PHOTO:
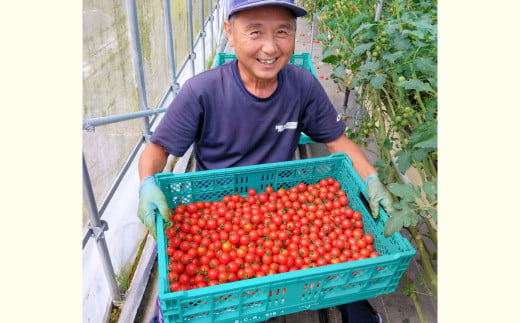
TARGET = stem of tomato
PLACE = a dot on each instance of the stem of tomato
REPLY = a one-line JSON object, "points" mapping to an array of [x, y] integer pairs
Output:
{"points": [[432, 232], [418, 306], [425, 259]]}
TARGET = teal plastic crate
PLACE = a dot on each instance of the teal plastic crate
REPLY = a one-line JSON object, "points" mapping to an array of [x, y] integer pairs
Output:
{"points": [[303, 59], [259, 299]]}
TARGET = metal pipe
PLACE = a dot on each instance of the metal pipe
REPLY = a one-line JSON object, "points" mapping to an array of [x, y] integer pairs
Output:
{"points": [[203, 34], [218, 14], [190, 34], [312, 33], [98, 228], [138, 61], [379, 10], [170, 40], [90, 124], [211, 18]]}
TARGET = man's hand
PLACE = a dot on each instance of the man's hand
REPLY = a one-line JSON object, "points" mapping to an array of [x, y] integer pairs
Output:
{"points": [[378, 194], [151, 199]]}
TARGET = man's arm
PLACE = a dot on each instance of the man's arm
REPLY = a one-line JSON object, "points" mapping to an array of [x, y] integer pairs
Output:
{"points": [[152, 160], [151, 198], [359, 160], [377, 193]]}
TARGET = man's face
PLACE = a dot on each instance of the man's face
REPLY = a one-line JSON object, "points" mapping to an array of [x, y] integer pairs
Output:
{"points": [[263, 39]]}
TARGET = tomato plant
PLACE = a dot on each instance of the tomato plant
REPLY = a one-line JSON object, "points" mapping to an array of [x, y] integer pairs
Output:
{"points": [[385, 53]]}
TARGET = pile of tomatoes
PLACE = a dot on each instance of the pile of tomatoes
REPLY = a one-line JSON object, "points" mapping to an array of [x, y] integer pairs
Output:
{"points": [[241, 237]]}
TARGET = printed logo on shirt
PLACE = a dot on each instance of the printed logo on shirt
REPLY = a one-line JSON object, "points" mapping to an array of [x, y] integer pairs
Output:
{"points": [[288, 125], [338, 118]]}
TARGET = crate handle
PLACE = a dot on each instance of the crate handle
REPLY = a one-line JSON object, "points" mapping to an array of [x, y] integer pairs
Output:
{"points": [[365, 203], [161, 246]]}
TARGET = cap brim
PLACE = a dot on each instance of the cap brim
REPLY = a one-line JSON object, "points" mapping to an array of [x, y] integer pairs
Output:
{"points": [[297, 11]]}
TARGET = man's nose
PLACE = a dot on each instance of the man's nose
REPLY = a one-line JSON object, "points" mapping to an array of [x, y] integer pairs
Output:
{"points": [[269, 46]]}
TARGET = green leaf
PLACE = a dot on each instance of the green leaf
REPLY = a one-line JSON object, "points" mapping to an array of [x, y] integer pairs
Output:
{"points": [[406, 192], [419, 154], [367, 35], [425, 65], [392, 57], [433, 82], [323, 36], [424, 136], [363, 26], [404, 160], [417, 33], [402, 44], [430, 189], [370, 67], [422, 132], [423, 23], [382, 172], [387, 144], [378, 81], [417, 85], [430, 143], [355, 65], [339, 71], [332, 59], [360, 49], [400, 219]]}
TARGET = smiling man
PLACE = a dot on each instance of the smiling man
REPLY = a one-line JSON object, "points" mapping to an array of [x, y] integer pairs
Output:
{"points": [[252, 110], [263, 39]]}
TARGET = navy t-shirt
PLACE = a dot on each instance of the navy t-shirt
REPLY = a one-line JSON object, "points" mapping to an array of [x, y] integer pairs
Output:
{"points": [[231, 127]]}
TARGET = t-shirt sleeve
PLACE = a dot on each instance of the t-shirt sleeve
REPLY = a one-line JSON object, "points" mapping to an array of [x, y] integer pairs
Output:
{"points": [[320, 121], [181, 123]]}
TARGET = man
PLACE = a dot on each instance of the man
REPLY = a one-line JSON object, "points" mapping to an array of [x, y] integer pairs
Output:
{"points": [[251, 110]]}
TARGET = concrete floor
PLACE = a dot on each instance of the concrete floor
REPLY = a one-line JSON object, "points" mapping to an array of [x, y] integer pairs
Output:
{"points": [[395, 307]]}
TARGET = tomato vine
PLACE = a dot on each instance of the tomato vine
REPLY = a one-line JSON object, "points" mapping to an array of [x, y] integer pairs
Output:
{"points": [[386, 54]]}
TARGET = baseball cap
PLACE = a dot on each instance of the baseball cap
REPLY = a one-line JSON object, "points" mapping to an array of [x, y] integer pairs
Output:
{"points": [[239, 5]]}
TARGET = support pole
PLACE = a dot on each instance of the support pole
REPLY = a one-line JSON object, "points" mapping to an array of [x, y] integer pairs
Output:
{"points": [[97, 229], [312, 33], [138, 62], [170, 42], [379, 10], [190, 34], [203, 35], [211, 19]]}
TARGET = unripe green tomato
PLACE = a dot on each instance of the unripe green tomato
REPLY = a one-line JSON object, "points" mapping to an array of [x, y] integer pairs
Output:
{"points": [[375, 53], [404, 123], [398, 119], [383, 33], [378, 48], [401, 79], [408, 109]]}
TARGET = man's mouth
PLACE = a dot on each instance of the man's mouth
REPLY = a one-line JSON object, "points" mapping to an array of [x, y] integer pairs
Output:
{"points": [[267, 62]]}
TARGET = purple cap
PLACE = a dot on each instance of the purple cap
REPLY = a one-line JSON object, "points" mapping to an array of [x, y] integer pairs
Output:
{"points": [[239, 5]]}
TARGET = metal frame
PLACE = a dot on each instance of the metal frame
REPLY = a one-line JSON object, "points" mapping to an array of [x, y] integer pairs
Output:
{"points": [[97, 227]]}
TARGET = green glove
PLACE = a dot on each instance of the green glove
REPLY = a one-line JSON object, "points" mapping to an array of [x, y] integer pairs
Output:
{"points": [[378, 194], [151, 199]]}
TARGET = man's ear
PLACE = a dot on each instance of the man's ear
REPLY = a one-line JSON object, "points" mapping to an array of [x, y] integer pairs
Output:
{"points": [[229, 34]]}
